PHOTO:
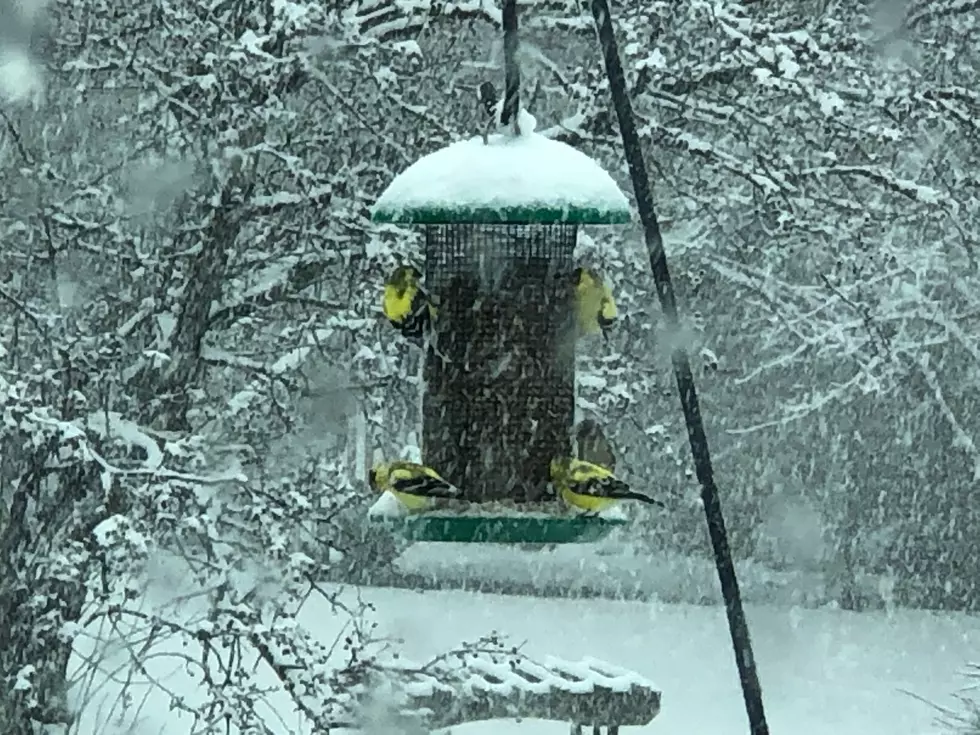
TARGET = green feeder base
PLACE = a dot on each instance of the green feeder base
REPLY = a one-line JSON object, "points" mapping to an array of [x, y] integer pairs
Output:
{"points": [[501, 529]]}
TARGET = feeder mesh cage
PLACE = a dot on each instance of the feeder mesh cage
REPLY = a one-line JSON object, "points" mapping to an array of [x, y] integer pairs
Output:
{"points": [[499, 400]]}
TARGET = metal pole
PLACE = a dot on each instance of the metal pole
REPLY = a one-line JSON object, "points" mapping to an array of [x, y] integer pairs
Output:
{"points": [[741, 642], [512, 71]]}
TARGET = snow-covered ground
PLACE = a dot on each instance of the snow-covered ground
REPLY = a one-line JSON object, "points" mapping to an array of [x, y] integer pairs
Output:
{"points": [[824, 672]]}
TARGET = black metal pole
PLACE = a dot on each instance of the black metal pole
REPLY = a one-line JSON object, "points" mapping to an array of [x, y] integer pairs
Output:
{"points": [[512, 71], [741, 642]]}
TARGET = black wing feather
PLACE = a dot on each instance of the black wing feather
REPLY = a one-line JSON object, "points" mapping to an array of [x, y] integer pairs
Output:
{"points": [[611, 487], [418, 321], [428, 487], [604, 487]]}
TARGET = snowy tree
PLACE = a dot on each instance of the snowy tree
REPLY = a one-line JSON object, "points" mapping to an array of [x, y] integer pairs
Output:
{"points": [[817, 164], [186, 248], [194, 369]]}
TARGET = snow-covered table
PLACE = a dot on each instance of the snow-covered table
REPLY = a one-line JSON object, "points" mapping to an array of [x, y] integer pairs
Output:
{"points": [[489, 687]]}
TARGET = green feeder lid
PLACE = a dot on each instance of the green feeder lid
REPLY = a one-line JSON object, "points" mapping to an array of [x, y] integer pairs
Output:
{"points": [[500, 529], [511, 179]]}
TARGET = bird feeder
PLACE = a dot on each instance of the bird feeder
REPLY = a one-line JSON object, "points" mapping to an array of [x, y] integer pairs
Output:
{"points": [[500, 221]]}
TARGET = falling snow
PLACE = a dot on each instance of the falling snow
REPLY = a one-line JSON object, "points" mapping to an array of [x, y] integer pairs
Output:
{"points": [[201, 365]]}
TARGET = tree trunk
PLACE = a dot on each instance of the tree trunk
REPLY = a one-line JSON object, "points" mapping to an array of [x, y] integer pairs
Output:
{"points": [[40, 591]]}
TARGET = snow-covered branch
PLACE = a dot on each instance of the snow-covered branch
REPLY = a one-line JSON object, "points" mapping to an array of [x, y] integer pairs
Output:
{"points": [[275, 291]]}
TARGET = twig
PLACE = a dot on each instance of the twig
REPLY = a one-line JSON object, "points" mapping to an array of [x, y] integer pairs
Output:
{"points": [[18, 141], [19, 306]]}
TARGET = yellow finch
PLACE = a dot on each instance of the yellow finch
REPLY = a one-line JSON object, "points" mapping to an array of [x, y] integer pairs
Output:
{"points": [[414, 485], [590, 444], [589, 487], [406, 303], [595, 307]]}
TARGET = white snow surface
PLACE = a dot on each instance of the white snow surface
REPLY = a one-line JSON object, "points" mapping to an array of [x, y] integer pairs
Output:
{"points": [[515, 674], [20, 79], [387, 506], [507, 171], [112, 423], [823, 672]]}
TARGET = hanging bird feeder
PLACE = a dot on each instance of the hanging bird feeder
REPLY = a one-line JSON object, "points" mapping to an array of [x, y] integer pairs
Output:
{"points": [[500, 218]]}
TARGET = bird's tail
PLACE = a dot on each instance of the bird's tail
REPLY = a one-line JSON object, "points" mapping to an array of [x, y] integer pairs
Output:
{"points": [[428, 487], [632, 495], [616, 488], [605, 325]]}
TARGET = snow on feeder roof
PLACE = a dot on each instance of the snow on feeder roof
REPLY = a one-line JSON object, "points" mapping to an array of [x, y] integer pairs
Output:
{"points": [[525, 179]]}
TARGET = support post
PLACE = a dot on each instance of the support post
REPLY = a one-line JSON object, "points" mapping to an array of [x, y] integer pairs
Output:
{"points": [[741, 642]]}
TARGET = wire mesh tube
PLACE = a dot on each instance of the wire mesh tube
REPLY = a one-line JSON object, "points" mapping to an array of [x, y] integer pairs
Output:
{"points": [[500, 388]]}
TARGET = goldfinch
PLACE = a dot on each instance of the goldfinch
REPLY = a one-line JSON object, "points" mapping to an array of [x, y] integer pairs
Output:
{"points": [[589, 487], [595, 307], [591, 445], [414, 485], [406, 303]]}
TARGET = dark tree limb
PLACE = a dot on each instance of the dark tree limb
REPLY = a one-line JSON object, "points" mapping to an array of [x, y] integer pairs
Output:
{"points": [[512, 70], [300, 277]]}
